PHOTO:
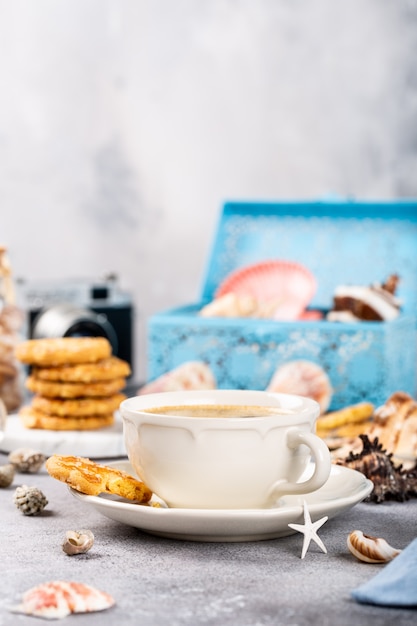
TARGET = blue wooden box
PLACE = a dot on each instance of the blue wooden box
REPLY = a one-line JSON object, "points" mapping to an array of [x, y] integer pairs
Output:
{"points": [[351, 242]]}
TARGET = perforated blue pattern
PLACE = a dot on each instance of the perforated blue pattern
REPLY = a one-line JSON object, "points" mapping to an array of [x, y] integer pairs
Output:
{"points": [[365, 361], [341, 243]]}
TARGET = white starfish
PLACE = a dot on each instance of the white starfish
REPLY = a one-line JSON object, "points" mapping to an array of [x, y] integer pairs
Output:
{"points": [[309, 530]]}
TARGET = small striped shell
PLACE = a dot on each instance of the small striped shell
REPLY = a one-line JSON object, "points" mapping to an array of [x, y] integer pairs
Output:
{"points": [[370, 549], [58, 599]]}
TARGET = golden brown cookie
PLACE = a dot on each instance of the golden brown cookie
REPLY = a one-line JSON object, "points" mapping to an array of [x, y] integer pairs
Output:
{"points": [[106, 369], [31, 418], [349, 415], [74, 390], [91, 478], [78, 407], [63, 350]]}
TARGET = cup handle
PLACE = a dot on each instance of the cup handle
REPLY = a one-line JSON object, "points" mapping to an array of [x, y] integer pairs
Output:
{"points": [[321, 455]]}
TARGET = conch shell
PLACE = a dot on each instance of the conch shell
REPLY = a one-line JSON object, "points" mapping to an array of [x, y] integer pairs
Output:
{"points": [[391, 481], [370, 549]]}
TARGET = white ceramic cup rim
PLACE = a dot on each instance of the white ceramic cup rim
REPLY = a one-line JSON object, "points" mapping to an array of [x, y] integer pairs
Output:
{"points": [[300, 408]]}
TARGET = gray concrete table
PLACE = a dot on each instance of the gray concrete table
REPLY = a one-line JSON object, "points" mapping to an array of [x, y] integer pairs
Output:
{"points": [[158, 581]]}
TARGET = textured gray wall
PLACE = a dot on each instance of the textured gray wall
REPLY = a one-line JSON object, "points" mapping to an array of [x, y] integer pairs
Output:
{"points": [[125, 124]]}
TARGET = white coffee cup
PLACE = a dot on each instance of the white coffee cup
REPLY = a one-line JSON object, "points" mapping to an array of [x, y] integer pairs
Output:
{"points": [[225, 462]]}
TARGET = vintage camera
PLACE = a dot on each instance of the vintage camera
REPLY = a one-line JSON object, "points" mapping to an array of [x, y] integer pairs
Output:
{"points": [[81, 309]]}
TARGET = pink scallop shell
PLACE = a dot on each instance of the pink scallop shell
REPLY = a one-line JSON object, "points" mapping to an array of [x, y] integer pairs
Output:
{"points": [[189, 376], [59, 598], [290, 284], [310, 316], [303, 378]]}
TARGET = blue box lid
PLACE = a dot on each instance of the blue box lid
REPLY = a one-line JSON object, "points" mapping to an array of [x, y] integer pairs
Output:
{"points": [[342, 242]]}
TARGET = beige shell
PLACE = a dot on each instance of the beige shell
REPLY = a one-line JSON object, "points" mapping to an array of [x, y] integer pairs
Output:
{"points": [[7, 473], [77, 541], [231, 305], [27, 460], [370, 549]]}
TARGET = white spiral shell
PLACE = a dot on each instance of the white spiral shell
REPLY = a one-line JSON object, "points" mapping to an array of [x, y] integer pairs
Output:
{"points": [[370, 549]]}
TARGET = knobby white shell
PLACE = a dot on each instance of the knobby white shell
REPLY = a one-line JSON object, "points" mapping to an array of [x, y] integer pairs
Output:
{"points": [[370, 549], [77, 541]]}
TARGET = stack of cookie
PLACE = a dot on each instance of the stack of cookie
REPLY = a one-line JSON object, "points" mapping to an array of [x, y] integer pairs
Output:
{"points": [[76, 382]]}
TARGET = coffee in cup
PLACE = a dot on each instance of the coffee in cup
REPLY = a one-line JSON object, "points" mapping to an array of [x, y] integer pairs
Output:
{"points": [[217, 410]]}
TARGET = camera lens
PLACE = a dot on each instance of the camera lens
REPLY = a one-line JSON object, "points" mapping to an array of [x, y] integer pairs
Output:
{"points": [[66, 320]]}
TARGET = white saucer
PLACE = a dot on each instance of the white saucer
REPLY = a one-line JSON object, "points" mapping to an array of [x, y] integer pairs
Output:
{"points": [[344, 489], [102, 443]]}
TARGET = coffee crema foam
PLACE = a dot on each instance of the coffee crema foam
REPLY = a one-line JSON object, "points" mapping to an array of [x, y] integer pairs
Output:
{"points": [[218, 410]]}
